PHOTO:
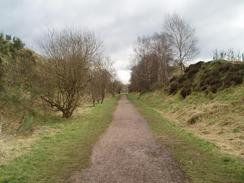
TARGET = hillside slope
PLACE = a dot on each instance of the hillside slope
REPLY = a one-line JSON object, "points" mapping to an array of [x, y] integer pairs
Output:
{"points": [[218, 117], [208, 77], [201, 160]]}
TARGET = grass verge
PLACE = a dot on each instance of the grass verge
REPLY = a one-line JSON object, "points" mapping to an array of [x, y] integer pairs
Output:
{"points": [[199, 159], [54, 158]]}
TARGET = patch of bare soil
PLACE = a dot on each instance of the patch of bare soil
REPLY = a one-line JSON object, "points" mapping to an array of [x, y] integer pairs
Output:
{"points": [[128, 153]]}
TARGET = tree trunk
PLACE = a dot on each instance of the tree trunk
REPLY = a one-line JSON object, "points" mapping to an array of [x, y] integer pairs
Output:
{"points": [[93, 103], [182, 68], [66, 114], [103, 96]]}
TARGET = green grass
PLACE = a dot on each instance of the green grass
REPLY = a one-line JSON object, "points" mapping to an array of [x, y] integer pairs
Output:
{"points": [[54, 158], [208, 77], [199, 159], [229, 95]]}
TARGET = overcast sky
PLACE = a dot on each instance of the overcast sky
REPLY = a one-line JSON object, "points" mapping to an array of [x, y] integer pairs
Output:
{"points": [[219, 23]]}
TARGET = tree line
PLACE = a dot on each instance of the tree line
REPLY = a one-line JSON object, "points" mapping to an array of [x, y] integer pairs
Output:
{"points": [[71, 66], [156, 56], [229, 55]]}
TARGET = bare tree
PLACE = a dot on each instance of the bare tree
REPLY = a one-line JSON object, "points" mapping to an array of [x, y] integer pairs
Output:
{"points": [[162, 51], [1, 75], [65, 72], [229, 55], [152, 58], [182, 39], [102, 80]]}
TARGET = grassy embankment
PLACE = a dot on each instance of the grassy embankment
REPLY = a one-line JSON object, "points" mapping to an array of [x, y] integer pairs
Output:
{"points": [[202, 160], [54, 157]]}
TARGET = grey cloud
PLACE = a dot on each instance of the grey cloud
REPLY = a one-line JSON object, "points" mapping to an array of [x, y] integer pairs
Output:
{"points": [[218, 23]]}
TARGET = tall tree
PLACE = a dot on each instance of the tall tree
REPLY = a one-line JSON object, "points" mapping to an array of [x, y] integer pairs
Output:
{"points": [[182, 39], [69, 56], [152, 59]]}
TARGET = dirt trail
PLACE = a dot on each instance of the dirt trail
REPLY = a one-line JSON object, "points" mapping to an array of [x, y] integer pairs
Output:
{"points": [[128, 153]]}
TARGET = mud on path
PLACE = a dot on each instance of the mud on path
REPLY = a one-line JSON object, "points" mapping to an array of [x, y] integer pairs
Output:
{"points": [[128, 153]]}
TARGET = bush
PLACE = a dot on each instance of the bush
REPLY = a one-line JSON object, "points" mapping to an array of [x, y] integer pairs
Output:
{"points": [[233, 79], [203, 88], [193, 69], [185, 91], [224, 67], [155, 86], [209, 77], [174, 78], [183, 78], [213, 88], [173, 88], [235, 68]]}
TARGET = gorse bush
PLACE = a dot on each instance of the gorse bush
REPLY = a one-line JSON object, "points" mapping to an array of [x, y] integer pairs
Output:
{"points": [[209, 77], [70, 67]]}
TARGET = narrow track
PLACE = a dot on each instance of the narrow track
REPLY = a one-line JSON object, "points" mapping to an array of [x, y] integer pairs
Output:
{"points": [[128, 153]]}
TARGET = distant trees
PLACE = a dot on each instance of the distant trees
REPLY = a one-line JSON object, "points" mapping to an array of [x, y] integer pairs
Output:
{"points": [[115, 86], [100, 78], [103, 80], [154, 56], [229, 55], [182, 39]]}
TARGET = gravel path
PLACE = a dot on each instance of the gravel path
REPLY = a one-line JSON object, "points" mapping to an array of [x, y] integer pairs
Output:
{"points": [[128, 153]]}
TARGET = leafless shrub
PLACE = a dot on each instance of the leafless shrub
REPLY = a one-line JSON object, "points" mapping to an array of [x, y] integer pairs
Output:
{"points": [[103, 80], [69, 56]]}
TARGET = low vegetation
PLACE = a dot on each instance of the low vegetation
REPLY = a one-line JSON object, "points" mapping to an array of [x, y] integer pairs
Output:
{"points": [[217, 118], [44, 132], [201, 160], [208, 77], [53, 157], [55, 82]]}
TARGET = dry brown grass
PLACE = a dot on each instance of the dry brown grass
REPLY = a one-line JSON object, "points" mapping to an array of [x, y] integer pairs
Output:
{"points": [[218, 118], [215, 122], [12, 147]]}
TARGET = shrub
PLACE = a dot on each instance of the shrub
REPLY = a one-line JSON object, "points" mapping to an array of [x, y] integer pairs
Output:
{"points": [[155, 86], [174, 78], [203, 88], [182, 78], [185, 91], [233, 79], [235, 68], [193, 69], [173, 88], [224, 67], [209, 77], [213, 88]]}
